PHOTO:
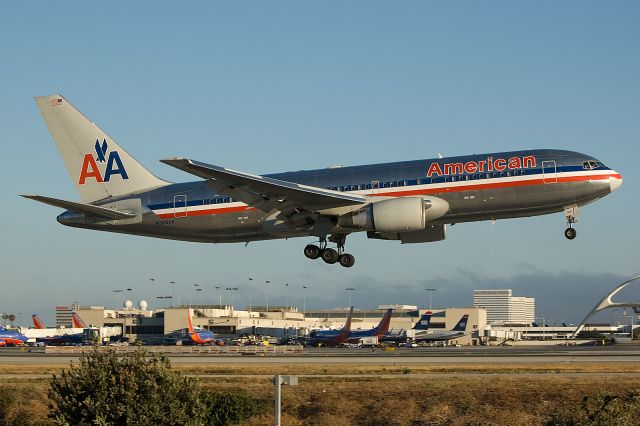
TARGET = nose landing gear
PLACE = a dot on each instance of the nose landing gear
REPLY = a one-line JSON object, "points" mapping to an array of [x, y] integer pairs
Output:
{"points": [[571, 213], [330, 255]]}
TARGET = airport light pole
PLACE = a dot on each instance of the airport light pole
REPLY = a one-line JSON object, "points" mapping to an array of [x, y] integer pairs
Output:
{"points": [[199, 290], [286, 295], [304, 300], [153, 293], [250, 294], [350, 291], [266, 283], [173, 287], [115, 307], [219, 296], [430, 291], [232, 290]]}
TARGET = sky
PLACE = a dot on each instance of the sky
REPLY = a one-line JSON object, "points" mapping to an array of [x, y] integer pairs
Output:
{"points": [[269, 87]]}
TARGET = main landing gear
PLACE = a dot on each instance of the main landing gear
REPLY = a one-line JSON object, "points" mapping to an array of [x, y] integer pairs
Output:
{"points": [[571, 213], [330, 255]]}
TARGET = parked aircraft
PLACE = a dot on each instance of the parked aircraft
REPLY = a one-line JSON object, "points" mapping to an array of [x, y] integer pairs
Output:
{"points": [[378, 331], [330, 338], [37, 322], [11, 337], [409, 201], [422, 325], [458, 331], [200, 336], [77, 321]]}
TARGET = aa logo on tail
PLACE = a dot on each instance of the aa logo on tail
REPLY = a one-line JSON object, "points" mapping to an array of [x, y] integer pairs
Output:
{"points": [[90, 166]]}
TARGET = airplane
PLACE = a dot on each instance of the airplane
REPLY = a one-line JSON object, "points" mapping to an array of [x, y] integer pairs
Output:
{"points": [[458, 331], [422, 325], [37, 322], [330, 338], [200, 336], [77, 321], [378, 331], [11, 337], [408, 201]]}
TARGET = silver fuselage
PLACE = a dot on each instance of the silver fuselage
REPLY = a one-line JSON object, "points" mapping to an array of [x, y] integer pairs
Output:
{"points": [[477, 187]]}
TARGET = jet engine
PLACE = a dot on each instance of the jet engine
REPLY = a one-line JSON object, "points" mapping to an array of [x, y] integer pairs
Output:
{"points": [[407, 214]]}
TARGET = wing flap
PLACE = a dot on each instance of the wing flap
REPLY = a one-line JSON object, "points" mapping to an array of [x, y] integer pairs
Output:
{"points": [[82, 207], [265, 193]]}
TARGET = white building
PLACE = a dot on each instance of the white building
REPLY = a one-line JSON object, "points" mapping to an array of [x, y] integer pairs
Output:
{"points": [[504, 308]]}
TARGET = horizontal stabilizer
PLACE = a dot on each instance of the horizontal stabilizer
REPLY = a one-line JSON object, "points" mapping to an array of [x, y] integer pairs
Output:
{"points": [[89, 209]]}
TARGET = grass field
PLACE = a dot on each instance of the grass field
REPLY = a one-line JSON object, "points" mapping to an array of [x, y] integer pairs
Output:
{"points": [[377, 395]]}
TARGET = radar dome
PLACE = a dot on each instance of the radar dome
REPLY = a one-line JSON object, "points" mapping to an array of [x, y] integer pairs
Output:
{"points": [[128, 304], [143, 304]]}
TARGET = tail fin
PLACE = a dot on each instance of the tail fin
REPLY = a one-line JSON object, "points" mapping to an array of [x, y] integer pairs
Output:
{"points": [[462, 324], [423, 323], [383, 325], [347, 324], [37, 322], [195, 337], [97, 165], [77, 321]]}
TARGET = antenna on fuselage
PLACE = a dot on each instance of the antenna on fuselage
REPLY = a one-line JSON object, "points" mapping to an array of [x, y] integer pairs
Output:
{"points": [[440, 155]]}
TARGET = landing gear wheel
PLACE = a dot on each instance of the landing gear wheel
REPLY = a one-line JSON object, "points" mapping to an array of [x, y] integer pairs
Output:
{"points": [[329, 255], [570, 233], [312, 251], [346, 260]]}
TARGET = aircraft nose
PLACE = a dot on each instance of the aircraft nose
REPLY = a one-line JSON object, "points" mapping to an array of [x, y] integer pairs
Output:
{"points": [[615, 182]]}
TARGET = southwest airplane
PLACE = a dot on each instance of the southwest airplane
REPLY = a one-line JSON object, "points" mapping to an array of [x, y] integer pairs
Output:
{"points": [[61, 339], [200, 336], [11, 338], [37, 322], [330, 338], [409, 201], [378, 331], [77, 321]]}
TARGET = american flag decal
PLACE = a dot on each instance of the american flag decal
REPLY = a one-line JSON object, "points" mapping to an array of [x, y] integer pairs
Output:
{"points": [[56, 102]]}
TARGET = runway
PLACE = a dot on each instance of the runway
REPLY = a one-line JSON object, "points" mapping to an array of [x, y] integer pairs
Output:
{"points": [[416, 356]]}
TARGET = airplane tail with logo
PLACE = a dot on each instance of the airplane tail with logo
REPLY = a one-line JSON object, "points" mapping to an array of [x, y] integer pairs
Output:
{"points": [[97, 165], [37, 322], [77, 321], [462, 324], [423, 323], [192, 332], [383, 326]]}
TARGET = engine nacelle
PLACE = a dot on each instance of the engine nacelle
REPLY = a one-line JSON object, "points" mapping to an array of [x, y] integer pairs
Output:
{"points": [[407, 214]]}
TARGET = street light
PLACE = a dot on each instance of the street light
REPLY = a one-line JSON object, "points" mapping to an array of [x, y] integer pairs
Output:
{"points": [[286, 295], [114, 298], [219, 296], [173, 287], [430, 291], [349, 290], [266, 283], [304, 300], [250, 294], [232, 289], [153, 293]]}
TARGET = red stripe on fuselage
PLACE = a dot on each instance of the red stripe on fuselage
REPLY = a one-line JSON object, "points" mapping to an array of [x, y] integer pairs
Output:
{"points": [[424, 191]]}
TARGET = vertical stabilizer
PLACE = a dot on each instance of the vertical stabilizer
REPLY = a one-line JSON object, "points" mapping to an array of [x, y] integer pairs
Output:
{"points": [[37, 322], [382, 328], [97, 165], [77, 321], [462, 324], [423, 323]]}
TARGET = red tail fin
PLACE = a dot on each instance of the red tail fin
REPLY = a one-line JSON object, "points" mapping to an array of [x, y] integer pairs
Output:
{"points": [[194, 336], [77, 321], [37, 323], [383, 326]]}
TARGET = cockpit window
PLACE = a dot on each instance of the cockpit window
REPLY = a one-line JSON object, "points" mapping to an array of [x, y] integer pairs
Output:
{"points": [[591, 164]]}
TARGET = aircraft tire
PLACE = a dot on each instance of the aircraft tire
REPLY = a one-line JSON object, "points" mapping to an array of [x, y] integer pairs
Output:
{"points": [[346, 260], [329, 255], [312, 251], [570, 233]]}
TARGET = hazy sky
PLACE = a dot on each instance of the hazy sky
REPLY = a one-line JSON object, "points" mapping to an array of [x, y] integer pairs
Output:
{"points": [[267, 87]]}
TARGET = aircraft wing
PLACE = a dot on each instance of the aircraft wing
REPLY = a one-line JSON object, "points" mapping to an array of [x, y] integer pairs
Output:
{"points": [[264, 193], [82, 207]]}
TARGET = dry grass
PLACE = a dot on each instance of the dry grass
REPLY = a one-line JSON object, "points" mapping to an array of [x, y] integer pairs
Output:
{"points": [[452, 395]]}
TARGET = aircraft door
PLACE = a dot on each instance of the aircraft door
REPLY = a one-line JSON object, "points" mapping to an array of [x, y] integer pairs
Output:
{"points": [[180, 205], [549, 172], [375, 187]]}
